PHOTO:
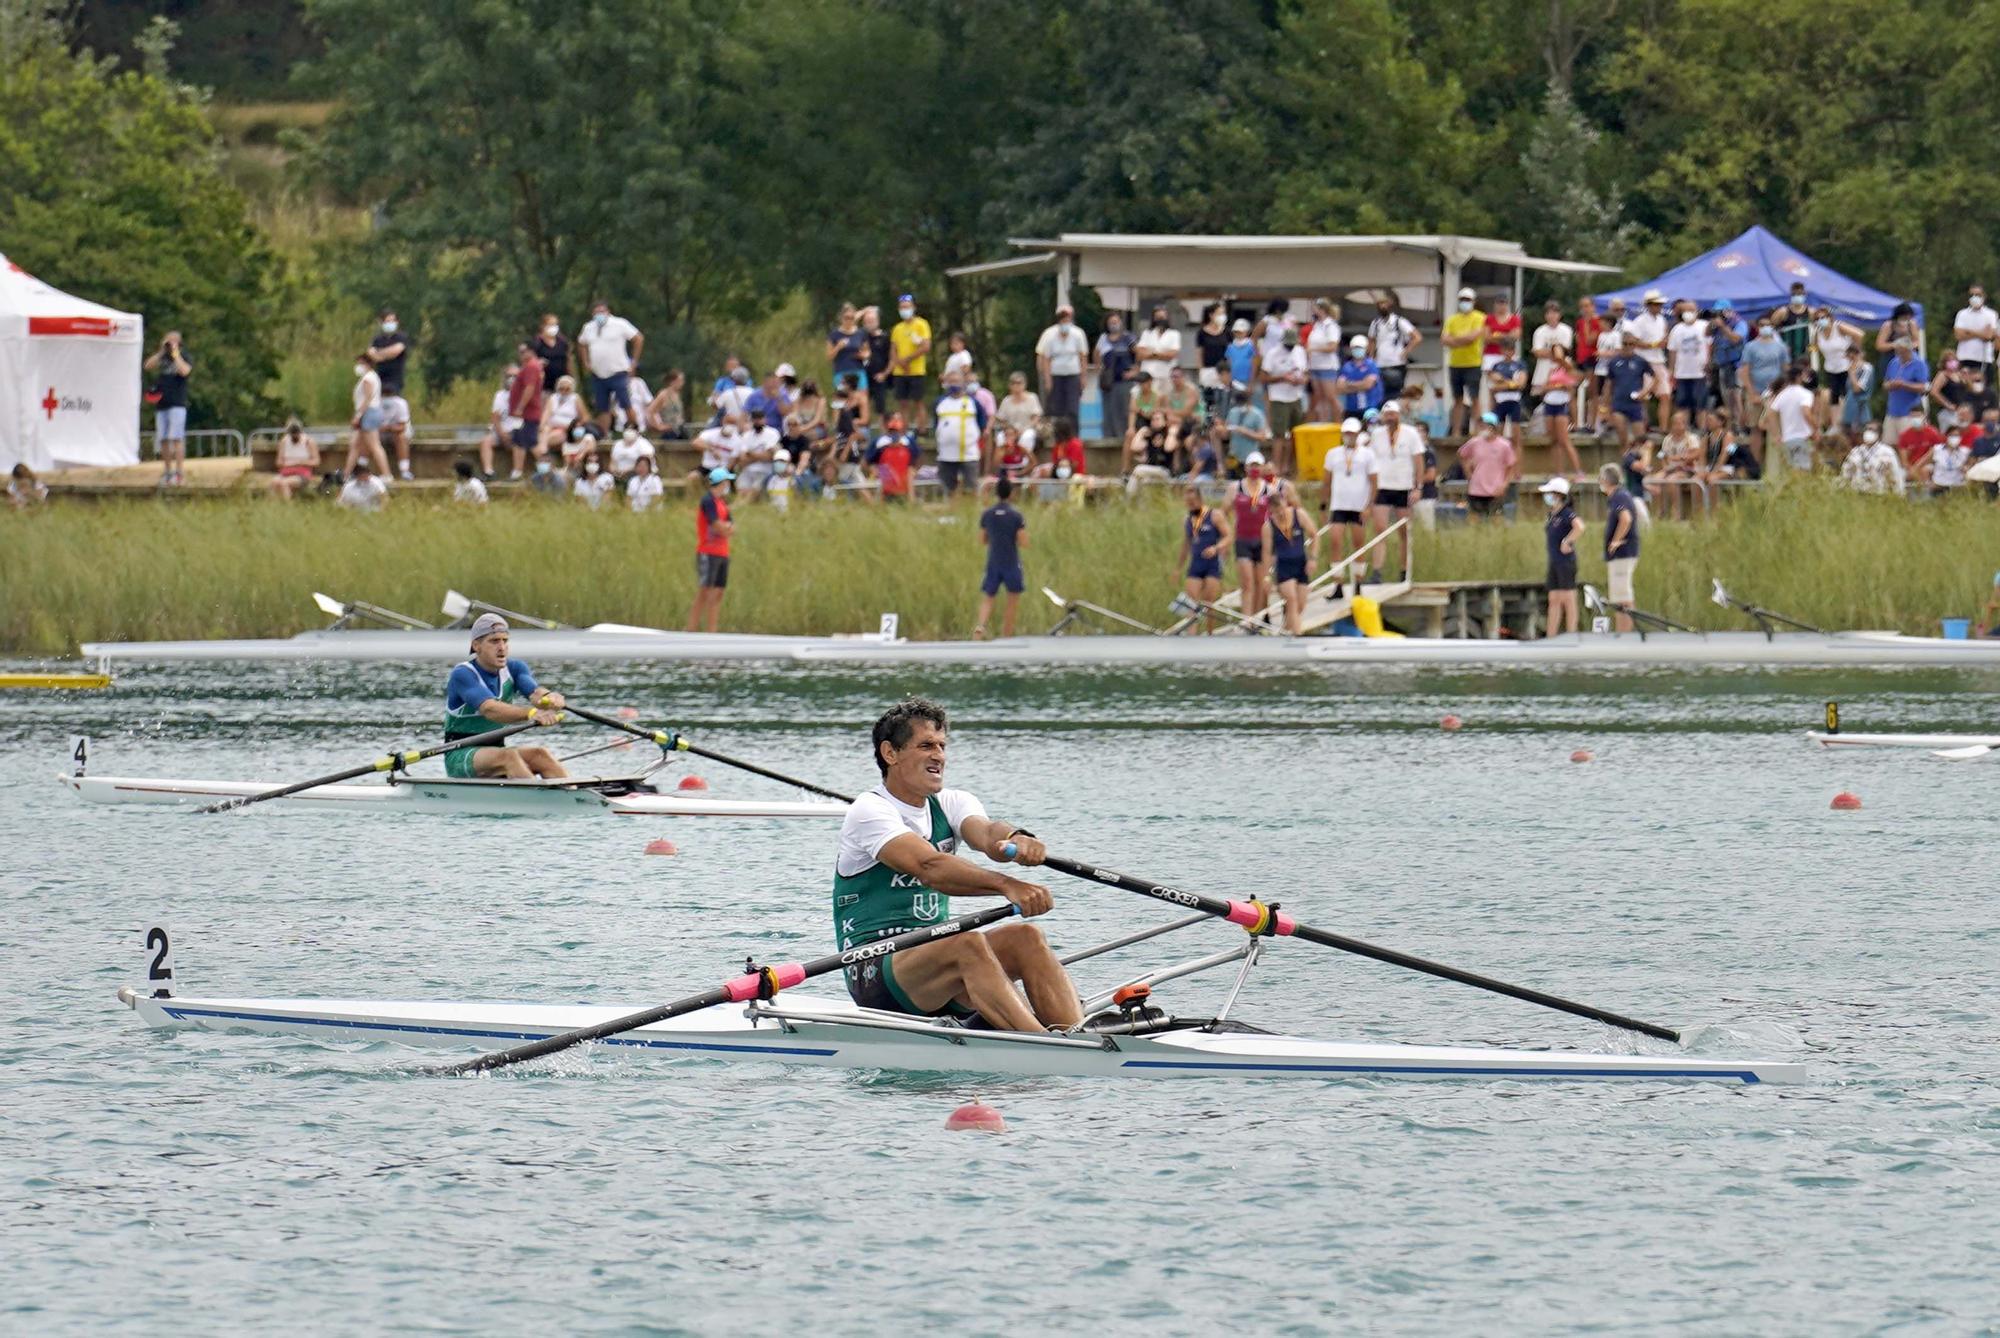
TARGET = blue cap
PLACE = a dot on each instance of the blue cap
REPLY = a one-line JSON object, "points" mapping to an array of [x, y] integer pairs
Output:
{"points": [[906, 297], [1724, 304], [719, 475], [1370, 415], [1491, 418]]}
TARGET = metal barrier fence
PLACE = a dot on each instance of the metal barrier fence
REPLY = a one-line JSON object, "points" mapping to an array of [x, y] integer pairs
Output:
{"points": [[203, 443]]}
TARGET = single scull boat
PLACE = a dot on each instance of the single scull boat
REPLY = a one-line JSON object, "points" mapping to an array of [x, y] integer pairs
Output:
{"points": [[1127, 1035]]}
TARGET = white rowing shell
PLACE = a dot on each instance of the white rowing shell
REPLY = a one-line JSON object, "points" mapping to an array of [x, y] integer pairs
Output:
{"points": [[489, 797]]}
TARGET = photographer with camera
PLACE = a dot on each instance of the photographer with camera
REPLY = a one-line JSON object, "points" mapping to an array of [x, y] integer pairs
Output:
{"points": [[170, 367]]}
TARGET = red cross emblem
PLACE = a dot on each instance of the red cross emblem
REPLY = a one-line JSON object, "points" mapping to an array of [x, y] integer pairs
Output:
{"points": [[51, 404]]}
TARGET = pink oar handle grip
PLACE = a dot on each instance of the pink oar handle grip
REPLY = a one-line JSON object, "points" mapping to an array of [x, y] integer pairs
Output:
{"points": [[751, 986], [1252, 916]]}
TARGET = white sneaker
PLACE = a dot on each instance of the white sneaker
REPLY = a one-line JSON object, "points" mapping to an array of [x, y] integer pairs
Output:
{"points": [[514, 476], [403, 472]]}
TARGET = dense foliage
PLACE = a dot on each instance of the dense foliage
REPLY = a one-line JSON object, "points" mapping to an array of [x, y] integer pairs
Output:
{"points": [[110, 187], [698, 161]]}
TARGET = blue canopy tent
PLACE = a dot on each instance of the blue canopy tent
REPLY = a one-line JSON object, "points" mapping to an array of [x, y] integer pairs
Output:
{"points": [[1756, 272]]}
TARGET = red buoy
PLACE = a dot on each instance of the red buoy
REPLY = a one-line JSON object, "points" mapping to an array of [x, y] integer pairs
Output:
{"points": [[1580, 755], [660, 845], [1846, 801], [693, 783], [975, 1117], [1449, 723]]}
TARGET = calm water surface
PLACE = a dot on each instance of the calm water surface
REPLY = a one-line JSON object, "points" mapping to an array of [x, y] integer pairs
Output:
{"points": [[1692, 874]]}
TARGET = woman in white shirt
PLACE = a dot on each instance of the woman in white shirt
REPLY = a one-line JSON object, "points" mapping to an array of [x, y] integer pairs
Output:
{"points": [[367, 422], [1835, 343], [559, 414], [1021, 409], [644, 487], [1323, 358], [592, 484]]}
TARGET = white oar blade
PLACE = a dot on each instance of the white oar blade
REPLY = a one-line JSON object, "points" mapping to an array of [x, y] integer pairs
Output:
{"points": [[456, 605], [1967, 754], [330, 606]]}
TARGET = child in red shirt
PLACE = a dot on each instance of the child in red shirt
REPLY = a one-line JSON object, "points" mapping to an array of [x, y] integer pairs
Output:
{"points": [[892, 456]]}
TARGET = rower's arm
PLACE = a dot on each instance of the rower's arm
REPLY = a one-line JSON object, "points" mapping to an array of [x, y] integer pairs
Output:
{"points": [[912, 855], [989, 835]]}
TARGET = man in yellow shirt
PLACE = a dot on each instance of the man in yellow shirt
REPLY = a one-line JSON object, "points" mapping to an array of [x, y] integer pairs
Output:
{"points": [[908, 343], [1464, 334]]}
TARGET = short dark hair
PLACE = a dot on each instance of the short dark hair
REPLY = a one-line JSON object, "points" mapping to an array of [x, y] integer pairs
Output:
{"points": [[899, 722], [1004, 488], [462, 468]]}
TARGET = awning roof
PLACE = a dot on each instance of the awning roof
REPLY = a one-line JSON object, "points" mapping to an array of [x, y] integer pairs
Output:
{"points": [[1040, 262]]}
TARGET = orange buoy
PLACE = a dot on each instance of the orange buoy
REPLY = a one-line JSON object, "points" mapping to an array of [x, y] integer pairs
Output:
{"points": [[975, 1117], [1846, 801], [693, 783], [660, 845], [628, 713], [1449, 723], [1580, 755]]}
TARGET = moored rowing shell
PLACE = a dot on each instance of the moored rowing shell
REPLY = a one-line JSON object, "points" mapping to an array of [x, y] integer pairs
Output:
{"points": [[1939, 741], [1585, 650], [836, 1033], [493, 798]]}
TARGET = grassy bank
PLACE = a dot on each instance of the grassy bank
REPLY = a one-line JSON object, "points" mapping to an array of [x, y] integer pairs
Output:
{"points": [[245, 567]]}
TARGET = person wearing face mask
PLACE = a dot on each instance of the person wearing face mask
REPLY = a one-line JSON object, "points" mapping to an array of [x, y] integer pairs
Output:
{"points": [[366, 442], [1836, 345], [560, 412], [389, 350], [1974, 327], [1646, 335], [1464, 332], [910, 345], [1764, 361], [1943, 467], [1158, 349], [1059, 356], [546, 480], [1116, 362], [1793, 322], [611, 346], [1790, 416], [298, 460], [1873, 466], [1727, 334], [1688, 352], [1249, 428], [501, 423], [1560, 533], [1392, 339], [961, 430], [551, 346], [1285, 376], [593, 484]]}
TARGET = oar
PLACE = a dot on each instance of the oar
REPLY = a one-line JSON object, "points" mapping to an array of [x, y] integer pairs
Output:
{"points": [[675, 743], [389, 763], [1258, 918], [755, 983]]}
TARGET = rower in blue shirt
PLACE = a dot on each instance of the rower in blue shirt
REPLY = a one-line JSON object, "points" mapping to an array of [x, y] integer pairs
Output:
{"points": [[490, 689]]}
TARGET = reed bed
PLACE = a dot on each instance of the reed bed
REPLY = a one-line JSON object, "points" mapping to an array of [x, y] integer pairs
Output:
{"points": [[245, 567]]}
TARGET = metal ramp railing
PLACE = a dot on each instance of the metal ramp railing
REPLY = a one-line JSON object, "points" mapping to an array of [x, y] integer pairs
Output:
{"points": [[1327, 597]]}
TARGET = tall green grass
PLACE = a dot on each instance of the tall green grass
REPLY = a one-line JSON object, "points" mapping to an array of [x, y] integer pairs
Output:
{"points": [[244, 567]]}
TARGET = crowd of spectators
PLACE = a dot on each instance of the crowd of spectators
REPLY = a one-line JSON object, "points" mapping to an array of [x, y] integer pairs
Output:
{"points": [[1691, 396]]}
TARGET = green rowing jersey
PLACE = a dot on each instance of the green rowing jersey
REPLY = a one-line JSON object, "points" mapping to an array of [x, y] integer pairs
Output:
{"points": [[878, 902], [471, 687]]}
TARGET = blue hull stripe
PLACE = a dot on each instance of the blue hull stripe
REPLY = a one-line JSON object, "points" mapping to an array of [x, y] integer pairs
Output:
{"points": [[486, 1034], [1213, 1066]]}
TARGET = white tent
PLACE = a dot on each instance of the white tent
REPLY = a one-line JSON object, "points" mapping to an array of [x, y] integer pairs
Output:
{"points": [[69, 377]]}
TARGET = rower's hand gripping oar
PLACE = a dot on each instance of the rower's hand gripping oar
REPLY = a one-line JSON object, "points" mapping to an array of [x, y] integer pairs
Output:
{"points": [[393, 762], [1258, 918], [675, 743], [755, 983]]}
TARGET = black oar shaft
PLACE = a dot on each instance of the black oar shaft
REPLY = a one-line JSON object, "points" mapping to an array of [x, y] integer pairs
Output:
{"points": [[679, 744], [389, 763], [1239, 913], [740, 989]]}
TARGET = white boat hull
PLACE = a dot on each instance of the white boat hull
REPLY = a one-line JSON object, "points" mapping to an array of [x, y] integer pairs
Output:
{"points": [[1932, 741], [840, 1035], [1587, 650], [490, 798]]}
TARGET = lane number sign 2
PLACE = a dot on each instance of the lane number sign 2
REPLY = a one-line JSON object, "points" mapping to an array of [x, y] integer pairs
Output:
{"points": [[160, 962]]}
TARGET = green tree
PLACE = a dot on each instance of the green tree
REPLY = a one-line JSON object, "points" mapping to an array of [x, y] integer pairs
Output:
{"points": [[520, 161], [110, 187]]}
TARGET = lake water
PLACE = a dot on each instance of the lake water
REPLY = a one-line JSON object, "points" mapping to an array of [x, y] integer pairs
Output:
{"points": [[1692, 874]]}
